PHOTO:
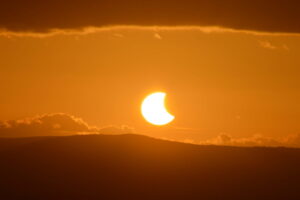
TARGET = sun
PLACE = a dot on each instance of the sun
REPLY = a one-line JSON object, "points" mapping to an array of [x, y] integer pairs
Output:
{"points": [[154, 111]]}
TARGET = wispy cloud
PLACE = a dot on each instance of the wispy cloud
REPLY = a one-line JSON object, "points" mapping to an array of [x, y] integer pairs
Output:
{"points": [[269, 45], [92, 30], [157, 36], [255, 140]]}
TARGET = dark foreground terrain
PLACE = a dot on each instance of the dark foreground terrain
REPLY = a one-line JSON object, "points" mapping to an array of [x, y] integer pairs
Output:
{"points": [[132, 167]]}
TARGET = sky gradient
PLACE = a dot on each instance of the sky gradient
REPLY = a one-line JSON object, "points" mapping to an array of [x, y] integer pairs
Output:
{"points": [[218, 81]]}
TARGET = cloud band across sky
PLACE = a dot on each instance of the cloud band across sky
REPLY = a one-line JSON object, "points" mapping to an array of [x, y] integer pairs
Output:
{"points": [[60, 124], [255, 15]]}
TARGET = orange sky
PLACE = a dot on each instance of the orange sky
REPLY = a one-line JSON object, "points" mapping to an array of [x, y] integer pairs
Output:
{"points": [[220, 82]]}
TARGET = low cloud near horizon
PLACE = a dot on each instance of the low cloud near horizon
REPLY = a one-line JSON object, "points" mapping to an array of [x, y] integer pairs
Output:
{"points": [[61, 124], [255, 140], [57, 124], [255, 15]]}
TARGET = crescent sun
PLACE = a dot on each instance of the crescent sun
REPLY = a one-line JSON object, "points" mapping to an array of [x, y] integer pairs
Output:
{"points": [[154, 111]]}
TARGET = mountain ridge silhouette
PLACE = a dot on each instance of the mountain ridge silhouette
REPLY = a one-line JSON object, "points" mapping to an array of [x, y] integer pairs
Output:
{"points": [[140, 167]]}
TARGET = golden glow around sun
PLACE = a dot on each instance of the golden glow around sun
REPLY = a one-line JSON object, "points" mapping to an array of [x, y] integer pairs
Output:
{"points": [[154, 111]]}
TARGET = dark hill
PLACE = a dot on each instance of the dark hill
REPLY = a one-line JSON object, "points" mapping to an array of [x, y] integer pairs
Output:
{"points": [[133, 167]]}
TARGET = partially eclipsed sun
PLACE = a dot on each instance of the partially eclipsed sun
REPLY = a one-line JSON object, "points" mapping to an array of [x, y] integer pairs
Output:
{"points": [[154, 110]]}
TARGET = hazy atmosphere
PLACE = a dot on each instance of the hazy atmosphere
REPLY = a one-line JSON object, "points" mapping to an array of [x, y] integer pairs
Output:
{"points": [[215, 83], [149, 100]]}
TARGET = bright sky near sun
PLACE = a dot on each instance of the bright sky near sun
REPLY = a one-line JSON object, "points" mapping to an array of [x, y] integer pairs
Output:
{"points": [[238, 83]]}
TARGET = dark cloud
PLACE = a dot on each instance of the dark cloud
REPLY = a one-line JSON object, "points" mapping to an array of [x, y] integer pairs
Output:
{"points": [[58, 124], [258, 15]]}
